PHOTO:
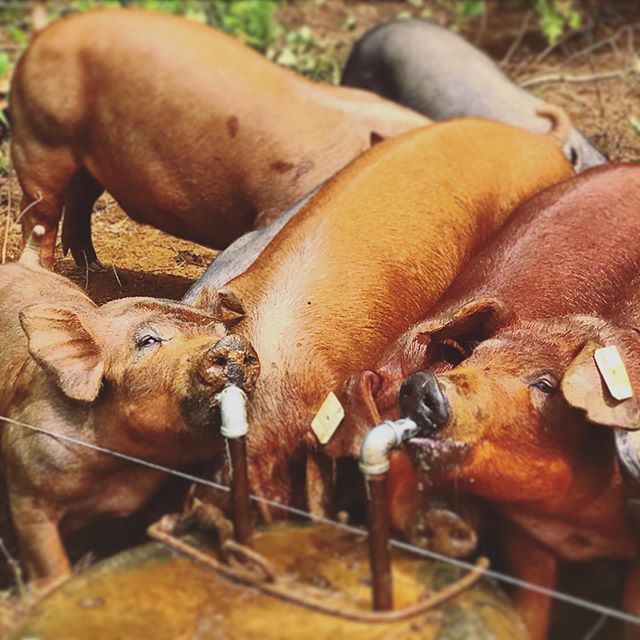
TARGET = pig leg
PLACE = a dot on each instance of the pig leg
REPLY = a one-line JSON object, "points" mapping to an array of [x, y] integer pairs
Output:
{"points": [[30, 219], [631, 601], [44, 176], [82, 194], [532, 562], [36, 524]]}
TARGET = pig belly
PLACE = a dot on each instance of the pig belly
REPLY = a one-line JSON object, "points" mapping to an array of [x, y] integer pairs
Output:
{"points": [[175, 199], [116, 497], [576, 542]]}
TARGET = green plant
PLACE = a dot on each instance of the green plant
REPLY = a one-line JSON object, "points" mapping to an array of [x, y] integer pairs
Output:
{"points": [[469, 8], [18, 35], [554, 16], [5, 63], [254, 19], [301, 52]]}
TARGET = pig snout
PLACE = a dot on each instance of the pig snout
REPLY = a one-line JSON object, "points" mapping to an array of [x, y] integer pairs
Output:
{"points": [[441, 530], [231, 360], [422, 400]]}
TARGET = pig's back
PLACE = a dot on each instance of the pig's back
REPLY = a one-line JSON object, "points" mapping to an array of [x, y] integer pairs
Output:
{"points": [[400, 220], [439, 74], [570, 249], [82, 65]]}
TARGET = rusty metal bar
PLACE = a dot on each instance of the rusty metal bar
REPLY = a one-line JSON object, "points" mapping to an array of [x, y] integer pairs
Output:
{"points": [[241, 506], [379, 551]]}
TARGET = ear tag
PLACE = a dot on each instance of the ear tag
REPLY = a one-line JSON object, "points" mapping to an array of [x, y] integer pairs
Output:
{"points": [[328, 418], [613, 372]]}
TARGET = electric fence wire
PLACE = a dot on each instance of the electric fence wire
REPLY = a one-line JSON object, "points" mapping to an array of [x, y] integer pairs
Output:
{"points": [[405, 546]]}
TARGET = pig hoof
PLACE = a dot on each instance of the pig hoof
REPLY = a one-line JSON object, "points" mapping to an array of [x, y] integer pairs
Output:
{"points": [[87, 259], [442, 531], [96, 266]]}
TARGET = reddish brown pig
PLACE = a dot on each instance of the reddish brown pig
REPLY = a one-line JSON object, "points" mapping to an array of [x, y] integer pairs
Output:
{"points": [[322, 299], [139, 376], [189, 130], [519, 421], [555, 256]]}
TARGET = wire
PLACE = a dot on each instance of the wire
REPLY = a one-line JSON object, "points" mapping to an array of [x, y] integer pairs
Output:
{"points": [[405, 546]]}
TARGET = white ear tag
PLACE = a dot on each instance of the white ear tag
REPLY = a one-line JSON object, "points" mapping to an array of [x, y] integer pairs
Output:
{"points": [[328, 418], [613, 372]]}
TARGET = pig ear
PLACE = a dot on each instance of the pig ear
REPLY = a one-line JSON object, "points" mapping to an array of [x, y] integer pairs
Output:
{"points": [[474, 320], [224, 306], [62, 342], [584, 388]]}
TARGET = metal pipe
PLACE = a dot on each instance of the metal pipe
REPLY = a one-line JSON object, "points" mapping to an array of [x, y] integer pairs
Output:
{"points": [[374, 464], [233, 410], [379, 551]]}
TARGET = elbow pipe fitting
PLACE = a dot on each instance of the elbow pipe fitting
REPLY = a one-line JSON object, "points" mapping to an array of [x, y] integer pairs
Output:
{"points": [[378, 443]]}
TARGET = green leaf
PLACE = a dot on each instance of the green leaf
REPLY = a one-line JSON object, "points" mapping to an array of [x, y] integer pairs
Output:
{"points": [[635, 123], [18, 34], [5, 63], [470, 8]]}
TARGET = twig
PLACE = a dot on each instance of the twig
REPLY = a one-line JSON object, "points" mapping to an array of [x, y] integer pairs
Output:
{"points": [[86, 270], [115, 273], [596, 628], [38, 199], [596, 84], [516, 43], [561, 41], [15, 568], [483, 26], [597, 45], [7, 223], [560, 77]]}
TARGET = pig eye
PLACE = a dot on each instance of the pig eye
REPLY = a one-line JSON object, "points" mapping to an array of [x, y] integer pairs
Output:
{"points": [[545, 385], [144, 342]]}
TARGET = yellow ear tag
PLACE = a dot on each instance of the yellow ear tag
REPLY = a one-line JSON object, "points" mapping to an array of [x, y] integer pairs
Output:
{"points": [[328, 418], [613, 372]]}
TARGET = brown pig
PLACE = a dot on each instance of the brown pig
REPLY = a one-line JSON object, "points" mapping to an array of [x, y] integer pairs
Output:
{"points": [[360, 260], [138, 376], [524, 420], [569, 249], [188, 129]]}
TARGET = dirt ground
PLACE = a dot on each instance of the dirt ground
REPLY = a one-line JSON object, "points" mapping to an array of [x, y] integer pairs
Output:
{"points": [[601, 102]]}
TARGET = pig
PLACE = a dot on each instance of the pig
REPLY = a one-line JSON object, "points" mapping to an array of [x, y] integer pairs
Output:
{"points": [[181, 124], [509, 425], [436, 72], [502, 380], [505, 281], [321, 298], [138, 376]]}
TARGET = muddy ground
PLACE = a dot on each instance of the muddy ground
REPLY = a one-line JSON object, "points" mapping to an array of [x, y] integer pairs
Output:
{"points": [[598, 90]]}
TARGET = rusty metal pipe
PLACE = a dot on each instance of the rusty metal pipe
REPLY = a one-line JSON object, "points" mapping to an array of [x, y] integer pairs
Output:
{"points": [[374, 464], [379, 551], [233, 410]]}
